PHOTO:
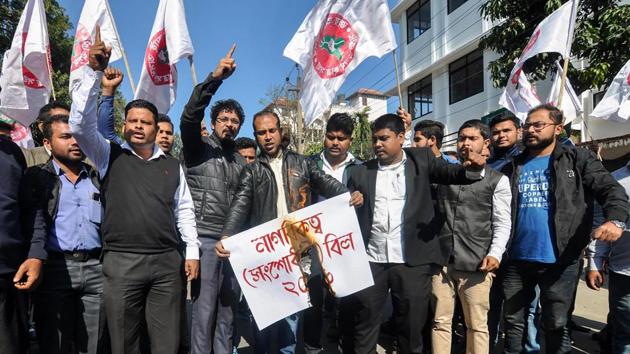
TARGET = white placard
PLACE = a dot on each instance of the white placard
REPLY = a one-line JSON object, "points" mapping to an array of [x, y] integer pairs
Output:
{"points": [[267, 267]]}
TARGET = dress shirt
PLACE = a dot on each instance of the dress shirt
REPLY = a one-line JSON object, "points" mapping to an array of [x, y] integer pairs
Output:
{"points": [[276, 167], [501, 217], [83, 122], [338, 173], [386, 242], [77, 224], [616, 253]]}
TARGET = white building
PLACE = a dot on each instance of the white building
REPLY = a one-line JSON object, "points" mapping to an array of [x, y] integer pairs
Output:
{"points": [[443, 75], [374, 101]]}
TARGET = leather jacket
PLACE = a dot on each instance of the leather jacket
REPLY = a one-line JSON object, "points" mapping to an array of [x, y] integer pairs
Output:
{"points": [[255, 201]]}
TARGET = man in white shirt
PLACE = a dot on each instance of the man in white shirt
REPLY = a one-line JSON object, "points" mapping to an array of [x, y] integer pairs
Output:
{"points": [[146, 201], [403, 252], [476, 224]]}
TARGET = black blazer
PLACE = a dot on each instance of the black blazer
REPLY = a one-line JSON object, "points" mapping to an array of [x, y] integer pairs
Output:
{"points": [[421, 244]]}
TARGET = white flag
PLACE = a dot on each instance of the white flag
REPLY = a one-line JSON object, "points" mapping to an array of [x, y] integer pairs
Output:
{"points": [[25, 80], [519, 97], [571, 104], [615, 105], [168, 44], [95, 12], [335, 37], [553, 35]]}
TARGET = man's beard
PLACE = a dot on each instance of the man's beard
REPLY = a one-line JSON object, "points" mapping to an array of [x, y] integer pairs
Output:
{"points": [[540, 144]]}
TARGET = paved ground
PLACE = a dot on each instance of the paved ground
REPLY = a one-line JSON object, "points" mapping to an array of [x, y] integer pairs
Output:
{"points": [[591, 309]]}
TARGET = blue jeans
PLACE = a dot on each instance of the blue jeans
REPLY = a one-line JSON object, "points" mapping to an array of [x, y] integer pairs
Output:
{"points": [[557, 283], [67, 306], [619, 302], [532, 341], [282, 334]]}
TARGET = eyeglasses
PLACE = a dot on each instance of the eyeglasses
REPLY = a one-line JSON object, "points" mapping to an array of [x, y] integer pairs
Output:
{"points": [[538, 126], [234, 121]]}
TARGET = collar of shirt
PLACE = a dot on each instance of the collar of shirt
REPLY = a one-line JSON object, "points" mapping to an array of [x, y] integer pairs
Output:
{"points": [[157, 152], [349, 159], [393, 166], [60, 172]]}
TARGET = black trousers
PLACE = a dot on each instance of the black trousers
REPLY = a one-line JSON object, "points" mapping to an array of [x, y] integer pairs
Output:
{"points": [[13, 319], [145, 286], [362, 313]]}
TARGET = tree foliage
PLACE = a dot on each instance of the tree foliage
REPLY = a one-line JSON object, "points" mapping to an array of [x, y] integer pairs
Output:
{"points": [[602, 37], [362, 136]]}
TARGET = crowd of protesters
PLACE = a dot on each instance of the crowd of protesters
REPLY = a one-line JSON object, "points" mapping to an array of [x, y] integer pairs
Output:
{"points": [[100, 236]]}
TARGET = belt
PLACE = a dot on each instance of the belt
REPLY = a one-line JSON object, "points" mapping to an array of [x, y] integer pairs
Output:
{"points": [[77, 256]]}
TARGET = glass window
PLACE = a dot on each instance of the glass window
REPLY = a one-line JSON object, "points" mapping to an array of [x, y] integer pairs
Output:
{"points": [[454, 4], [418, 19], [420, 97], [466, 76]]}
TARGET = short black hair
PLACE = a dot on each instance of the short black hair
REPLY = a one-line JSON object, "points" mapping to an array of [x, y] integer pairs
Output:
{"points": [[431, 129], [163, 118], [44, 112], [140, 103], [47, 127], [228, 105], [504, 118], [244, 143], [554, 113], [340, 122], [6, 126], [266, 112], [476, 124], [389, 121]]}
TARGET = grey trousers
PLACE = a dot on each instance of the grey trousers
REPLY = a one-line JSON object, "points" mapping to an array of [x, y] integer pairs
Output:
{"points": [[67, 307], [143, 286], [215, 295]]}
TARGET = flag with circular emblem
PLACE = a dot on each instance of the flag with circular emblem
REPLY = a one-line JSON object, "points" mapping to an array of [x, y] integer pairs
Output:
{"points": [[334, 38]]}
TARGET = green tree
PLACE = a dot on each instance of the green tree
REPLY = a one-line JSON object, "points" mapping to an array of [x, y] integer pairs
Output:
{"points": [[362, 136], [602, 36]]}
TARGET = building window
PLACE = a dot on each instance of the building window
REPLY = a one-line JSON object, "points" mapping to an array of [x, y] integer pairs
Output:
{"points": [[597, 98], [454, 4], [418, 19], [465, 76], [420, 96]]}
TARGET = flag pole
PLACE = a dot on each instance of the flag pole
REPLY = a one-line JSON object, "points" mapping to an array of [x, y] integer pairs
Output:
{"points": [[122, 49], [193, 71], [567, 55], [50, 74], [400, 100]]}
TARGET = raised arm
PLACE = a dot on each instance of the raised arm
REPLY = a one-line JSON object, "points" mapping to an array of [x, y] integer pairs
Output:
{"points": [[192, 116], [112, 78], [83, 115], [442, 172]]}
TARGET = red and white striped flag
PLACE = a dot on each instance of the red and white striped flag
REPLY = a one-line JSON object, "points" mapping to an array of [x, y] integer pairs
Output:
{"points": [[26, 77], [335, 37], [169, 43], [95, 12]]}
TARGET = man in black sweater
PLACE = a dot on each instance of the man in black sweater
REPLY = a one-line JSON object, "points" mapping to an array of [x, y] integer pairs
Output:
{"points": [[146, 201], [213, 165], [13, 250]]}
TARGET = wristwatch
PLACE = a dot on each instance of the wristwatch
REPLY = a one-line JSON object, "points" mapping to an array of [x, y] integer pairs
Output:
{"points": [[619, 224]]}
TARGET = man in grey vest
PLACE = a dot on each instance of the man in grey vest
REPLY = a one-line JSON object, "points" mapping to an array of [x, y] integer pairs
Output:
{"points": [[476, 228], [212, 165]]}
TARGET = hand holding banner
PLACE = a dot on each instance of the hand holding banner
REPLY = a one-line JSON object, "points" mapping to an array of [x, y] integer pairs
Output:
{"points": [[266, 258]]}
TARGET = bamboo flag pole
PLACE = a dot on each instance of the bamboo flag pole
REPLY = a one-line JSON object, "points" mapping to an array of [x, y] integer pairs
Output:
{"points": [[397, 79], [567, 54], [193, 71], [50, 73], [122, 49]]}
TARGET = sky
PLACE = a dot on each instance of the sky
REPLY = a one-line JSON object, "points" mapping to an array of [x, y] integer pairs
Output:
{"points": [[260, 29]]}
